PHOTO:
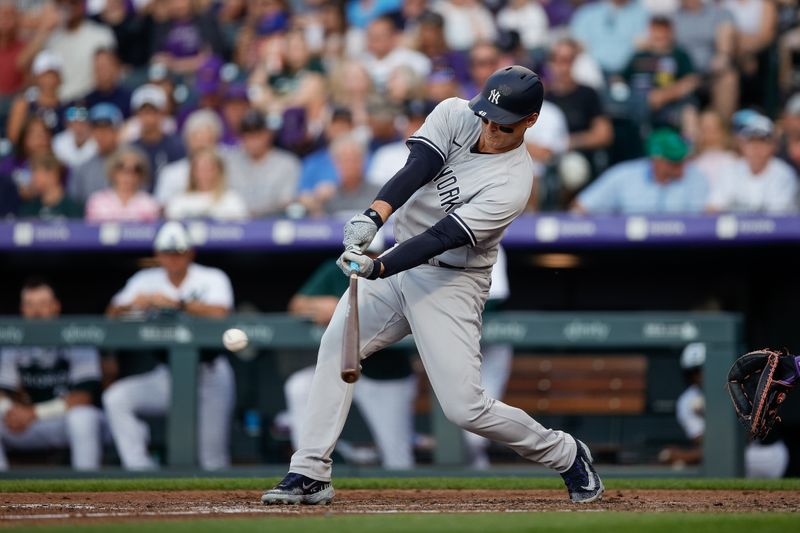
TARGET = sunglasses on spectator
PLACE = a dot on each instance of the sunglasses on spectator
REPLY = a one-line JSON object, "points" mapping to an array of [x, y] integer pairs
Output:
{"points": [[504, 129], [136, 169]]}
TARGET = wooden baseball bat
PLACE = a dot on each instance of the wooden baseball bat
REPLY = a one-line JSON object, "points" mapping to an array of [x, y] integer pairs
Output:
{"points": [[351, 360]]}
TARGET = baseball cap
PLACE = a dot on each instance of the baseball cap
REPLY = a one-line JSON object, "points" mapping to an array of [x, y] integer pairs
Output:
{"points": [[158, 72], [149, 94], [236, 91], [757, 127], [253, 120], [418, 108], [792, 106], [509, 95], [46, 61], [667, 144], [693, 356], [208, 76], [76, 113], [105, 114], [172, 237]]}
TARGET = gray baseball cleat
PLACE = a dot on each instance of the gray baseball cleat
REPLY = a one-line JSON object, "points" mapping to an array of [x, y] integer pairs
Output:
{"points": [[297, 488], [583, 483]]}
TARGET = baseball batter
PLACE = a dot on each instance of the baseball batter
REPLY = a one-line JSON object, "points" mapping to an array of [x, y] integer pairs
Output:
{"points": [[467, 177]]}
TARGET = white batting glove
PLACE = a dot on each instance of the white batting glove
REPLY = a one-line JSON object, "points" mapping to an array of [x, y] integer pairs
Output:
{"points": [[354, 257], [359, 232]]}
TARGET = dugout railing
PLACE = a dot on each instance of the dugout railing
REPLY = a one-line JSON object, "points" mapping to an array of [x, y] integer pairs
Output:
{"points": [[183, 337]]}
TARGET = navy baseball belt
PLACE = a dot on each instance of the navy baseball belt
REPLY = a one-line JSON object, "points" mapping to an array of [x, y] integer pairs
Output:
{"points": [[435, 262]]}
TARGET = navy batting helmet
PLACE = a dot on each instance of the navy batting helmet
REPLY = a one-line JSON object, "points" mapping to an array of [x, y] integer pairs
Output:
{"points": [[509, 95]]}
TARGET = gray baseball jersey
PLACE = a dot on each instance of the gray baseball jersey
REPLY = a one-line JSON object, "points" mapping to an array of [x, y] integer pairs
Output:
{"points": [[482, 192], [442, 307]]}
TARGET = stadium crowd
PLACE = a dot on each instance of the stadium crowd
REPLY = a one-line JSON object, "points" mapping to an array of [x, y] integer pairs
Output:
{"points": [[136, 110]]}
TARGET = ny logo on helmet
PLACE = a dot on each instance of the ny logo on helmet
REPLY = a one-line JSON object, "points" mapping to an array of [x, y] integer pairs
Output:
{"points": [[494, 96]]}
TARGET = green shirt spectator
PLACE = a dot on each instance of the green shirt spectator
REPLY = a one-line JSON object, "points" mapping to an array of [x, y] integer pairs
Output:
{"points": [[50, 200]]}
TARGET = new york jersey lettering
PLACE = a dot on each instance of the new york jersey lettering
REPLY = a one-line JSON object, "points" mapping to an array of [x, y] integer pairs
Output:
{"points": [[447, 185]]}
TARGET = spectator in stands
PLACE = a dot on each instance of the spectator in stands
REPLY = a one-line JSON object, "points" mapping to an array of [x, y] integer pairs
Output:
{"points": [[107, 86], [187, 38], [433, 44], [89, 177], [590, 129], [178, 284], [663, 79], [50, 201], [387, 389], [265, 176], [609, 31], [790, 133], [132, 31], [76, 43], [9, 197], [662, 183], [756, 27], [349, 158], [762, 459], [41, 99], [235, 105], [714, 156], [382, 128], [759, 182], [35, 139], [48, 394], [360, 14], [208, 195], [15, 57], [260, 35], [404, 84], [441, 85], [352, 87], [202, 131], [466, 22], [546, 143], [384, 52], [149, 103], [124, 201], [484, 60], [390, 158], [75, 145], [706, 31], [319, 176], [529, 20]]}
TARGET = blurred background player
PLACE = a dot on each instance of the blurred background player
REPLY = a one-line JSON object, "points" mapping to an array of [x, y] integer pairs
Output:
{"points": [[178, 284], [387, 389], [762, 459], [49, 395]]}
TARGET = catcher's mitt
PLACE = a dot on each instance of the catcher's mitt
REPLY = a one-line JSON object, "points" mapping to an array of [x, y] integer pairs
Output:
{"points": [[758, 383]]}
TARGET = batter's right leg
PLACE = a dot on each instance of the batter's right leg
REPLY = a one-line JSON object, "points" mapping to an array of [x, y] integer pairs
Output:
{"points": [[329, 399]]}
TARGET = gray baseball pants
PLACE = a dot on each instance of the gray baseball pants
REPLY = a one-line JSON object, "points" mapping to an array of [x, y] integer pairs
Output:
{"points": [[442, 308]]}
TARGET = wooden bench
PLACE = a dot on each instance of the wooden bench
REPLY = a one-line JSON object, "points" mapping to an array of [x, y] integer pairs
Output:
{"points": [[569, 384]]}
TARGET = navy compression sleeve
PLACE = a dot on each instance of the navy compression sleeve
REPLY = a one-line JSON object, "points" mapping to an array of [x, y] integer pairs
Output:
{"points": [[422, 165], [442, 236]]}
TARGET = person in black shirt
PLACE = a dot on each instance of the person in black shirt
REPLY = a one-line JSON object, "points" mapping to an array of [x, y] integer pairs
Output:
{"points": [[590, 129]]}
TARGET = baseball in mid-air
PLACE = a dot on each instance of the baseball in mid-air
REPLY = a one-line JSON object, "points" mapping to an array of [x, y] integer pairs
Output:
{"points": [[234, 339]]}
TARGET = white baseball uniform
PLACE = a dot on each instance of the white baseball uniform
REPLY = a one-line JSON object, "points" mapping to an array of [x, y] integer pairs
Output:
{"points": [[760, 460], [149, 393], [48, 373], [440, 302]]}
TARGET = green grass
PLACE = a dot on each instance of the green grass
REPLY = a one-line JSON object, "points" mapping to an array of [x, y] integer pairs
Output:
{"points": [[257, 484], [464, 523]]}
